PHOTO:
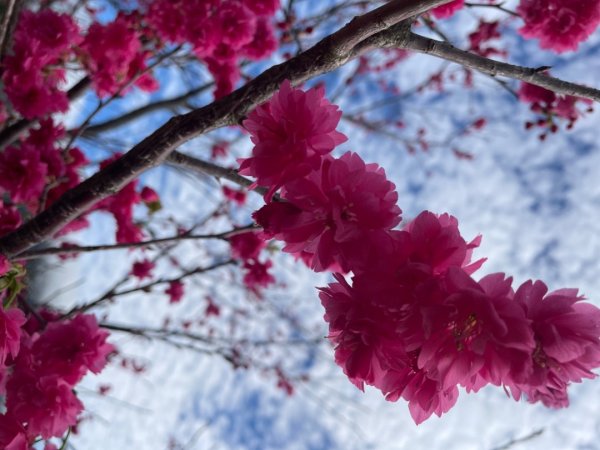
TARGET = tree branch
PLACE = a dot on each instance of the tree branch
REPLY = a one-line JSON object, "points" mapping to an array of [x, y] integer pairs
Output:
{"points": [[130, 245], [494, 68], [328, 54], [130, 116]]}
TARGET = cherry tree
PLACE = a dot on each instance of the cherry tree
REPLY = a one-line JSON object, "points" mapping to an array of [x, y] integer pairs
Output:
{"points": [[241, 90]]}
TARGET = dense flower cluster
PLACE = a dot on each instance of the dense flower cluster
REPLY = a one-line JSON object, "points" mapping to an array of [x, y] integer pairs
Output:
{"points": [[33, 73], [413, 322], [220, 32], [36, 172], [560, 25], [41, 366]]}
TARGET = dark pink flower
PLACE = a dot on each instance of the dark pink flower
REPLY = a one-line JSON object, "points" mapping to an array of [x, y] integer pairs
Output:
{"points": [[291, 133], [263, 43], [447, 10], [334, 213], [263, 7], [235, 24], [247, 245], [436, 241], [12, 434], [363, 334], [236, 196], [108, 52], [560, 25], [10, 218], [226, 74], [149, 195], [175, 291], [22, 173], [47, 404], [257, 274], [477, 331], [4, 265], [142, 269], [68, 349], [11, 321], [567, 342]]}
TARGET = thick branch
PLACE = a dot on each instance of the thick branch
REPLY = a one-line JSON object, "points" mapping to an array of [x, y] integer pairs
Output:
{"points": [[494, 68], [330, 53]]}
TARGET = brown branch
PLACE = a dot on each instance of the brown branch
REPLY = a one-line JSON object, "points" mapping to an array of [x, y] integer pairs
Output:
{"points": [[130, 116], [178, 159], [146, 287], [12, 132], [10, 12], [129, 245], [494, 68], [330, 53]]}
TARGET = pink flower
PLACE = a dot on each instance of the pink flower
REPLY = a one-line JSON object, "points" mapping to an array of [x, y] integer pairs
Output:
{"points": [[12, 434], [175, 291], [142, 269], [263, 43], [235, 23], [263, 7], [335, 213], [236, 196], [149, 195], [10, 218], [109, 50], [68, 349], [22, 173], [477, 331], [33, 72], [560, 25], [424, 395], [567, 344], [247, 245], [47, 404], [436, 241], [447, 10], [291, 133], [226, 74], [11, 321], [4, 265], [363, 334], [257, 274]]}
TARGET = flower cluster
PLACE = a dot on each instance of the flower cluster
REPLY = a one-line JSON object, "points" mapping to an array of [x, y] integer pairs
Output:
{"points": [[412, 321], [291, 134], [552, 108], [247, 248], [40, 367], [220, 32], [113, 55], [33, 73], [560, 25], [36, 172]]}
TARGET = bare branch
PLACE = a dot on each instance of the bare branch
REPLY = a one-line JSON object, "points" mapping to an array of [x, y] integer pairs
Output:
{"points": [[129, 245], [130, 116], [494, 68]]}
